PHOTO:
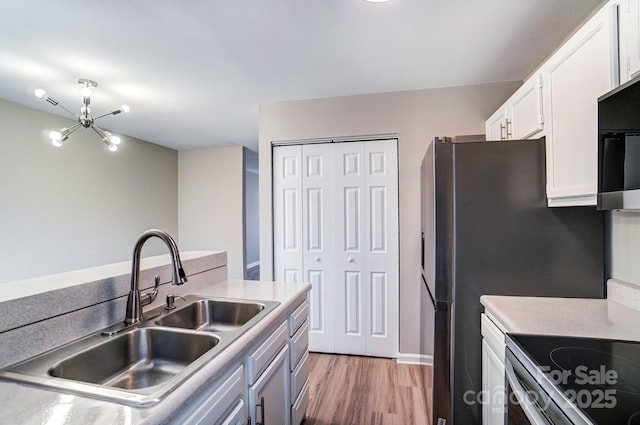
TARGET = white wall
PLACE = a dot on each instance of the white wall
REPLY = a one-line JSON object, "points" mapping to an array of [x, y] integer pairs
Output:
{"points": [[78, 205], [624, 248], [211, 203], [416, 117]]}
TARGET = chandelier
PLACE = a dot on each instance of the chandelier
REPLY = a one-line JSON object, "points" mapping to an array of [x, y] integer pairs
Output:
{"points": [[84, 119]]}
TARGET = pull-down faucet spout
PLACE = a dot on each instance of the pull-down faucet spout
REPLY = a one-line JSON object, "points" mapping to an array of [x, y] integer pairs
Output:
{"points": [[135, 300]]}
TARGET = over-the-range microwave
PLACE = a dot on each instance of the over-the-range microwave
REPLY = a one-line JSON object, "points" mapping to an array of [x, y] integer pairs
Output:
{"points": [[619, 148]]}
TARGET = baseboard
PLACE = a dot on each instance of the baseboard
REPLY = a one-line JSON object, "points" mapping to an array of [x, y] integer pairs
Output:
{"points": [[420, 359], [252, 265]]}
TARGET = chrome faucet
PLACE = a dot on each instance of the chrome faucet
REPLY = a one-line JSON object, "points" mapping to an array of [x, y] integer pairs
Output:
{"points": [[136, 300]]}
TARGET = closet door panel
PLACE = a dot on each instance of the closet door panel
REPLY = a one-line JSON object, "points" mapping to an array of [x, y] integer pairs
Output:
{"points": [[287, 214], [350, 248], [381, 222], [317, 220]]}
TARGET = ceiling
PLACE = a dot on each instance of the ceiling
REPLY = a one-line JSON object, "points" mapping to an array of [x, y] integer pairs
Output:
{"points": [[194, 72]]}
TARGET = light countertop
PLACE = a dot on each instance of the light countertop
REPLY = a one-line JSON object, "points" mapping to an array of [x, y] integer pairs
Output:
{"points": [[27, 405], [593, 318]]}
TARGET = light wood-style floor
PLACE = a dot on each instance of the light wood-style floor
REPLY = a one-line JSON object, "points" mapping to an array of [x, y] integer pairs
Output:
{"points": [[352, 390]]}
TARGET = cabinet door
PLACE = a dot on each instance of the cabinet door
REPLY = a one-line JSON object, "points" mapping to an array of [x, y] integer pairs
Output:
{"points": [[495, 126], [238, 416], [270, 393], [582, 70], [287, 214], [525, 110], [629, 39], [493, 388]]}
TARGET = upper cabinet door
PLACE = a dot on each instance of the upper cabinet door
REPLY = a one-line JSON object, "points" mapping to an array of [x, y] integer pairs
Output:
{"points": [[629, 39], [521, 115], [495, 127], [525, 110], [583, 69]]}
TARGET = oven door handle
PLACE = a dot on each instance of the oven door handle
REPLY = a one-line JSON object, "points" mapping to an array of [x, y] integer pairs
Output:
{"points": [[527, 405]]}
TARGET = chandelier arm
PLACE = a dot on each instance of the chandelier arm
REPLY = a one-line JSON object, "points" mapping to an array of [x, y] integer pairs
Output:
{"points": [[105, 114], [71, 112], [99, 131], [74, 128]]}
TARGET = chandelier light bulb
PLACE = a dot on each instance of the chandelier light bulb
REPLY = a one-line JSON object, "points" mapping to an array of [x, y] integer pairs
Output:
{"points": [[56, 143], [113, 148], [125, 108], [114, 140], [55, 136], [40, 93], [85, 91]]}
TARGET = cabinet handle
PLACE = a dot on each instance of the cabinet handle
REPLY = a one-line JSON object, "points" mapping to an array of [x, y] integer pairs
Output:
{"points": [[509, 133], [502, 131], [261, 405], [316, 259], [350, 259]]}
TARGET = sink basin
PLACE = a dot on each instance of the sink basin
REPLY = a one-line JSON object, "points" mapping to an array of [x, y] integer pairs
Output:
{"points": [[137, 359], [212, 315], [140, 364]]}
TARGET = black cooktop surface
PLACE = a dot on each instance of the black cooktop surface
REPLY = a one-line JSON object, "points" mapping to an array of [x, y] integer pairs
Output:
{"points": [[600, 376]]}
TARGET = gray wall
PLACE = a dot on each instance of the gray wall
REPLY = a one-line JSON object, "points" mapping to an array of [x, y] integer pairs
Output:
{"points": [[78, 205], [416, 117], [211, 203], [252, 236]]}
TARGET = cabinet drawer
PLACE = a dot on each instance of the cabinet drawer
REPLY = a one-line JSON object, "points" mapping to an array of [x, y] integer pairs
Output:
{"points": [[299, 409], [492, 334], [299, 345], [299, 377], [229, 393], [267, 351], [298, 317]]}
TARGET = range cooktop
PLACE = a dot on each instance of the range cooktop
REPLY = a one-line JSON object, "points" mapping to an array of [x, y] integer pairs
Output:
{"points": [[600, 376]]}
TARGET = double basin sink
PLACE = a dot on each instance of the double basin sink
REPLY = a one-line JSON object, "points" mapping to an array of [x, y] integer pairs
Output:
{"points": [[141, 364]]}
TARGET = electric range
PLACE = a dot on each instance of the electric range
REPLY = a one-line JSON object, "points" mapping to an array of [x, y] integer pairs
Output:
{"points": [[588, 380]]}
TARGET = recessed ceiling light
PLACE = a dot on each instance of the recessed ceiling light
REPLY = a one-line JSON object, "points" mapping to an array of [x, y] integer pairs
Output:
{"points": [[377, 1]]}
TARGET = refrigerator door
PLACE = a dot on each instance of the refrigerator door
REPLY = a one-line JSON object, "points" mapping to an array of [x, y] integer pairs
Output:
{"points": [[495, 235]]}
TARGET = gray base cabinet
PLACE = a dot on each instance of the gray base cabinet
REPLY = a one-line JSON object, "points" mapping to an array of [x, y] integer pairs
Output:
{"points": [[268, 397], [226, 405], [271, 384]]}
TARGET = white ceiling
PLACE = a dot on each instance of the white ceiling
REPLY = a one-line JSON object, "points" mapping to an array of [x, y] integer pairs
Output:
{"points": [[195, 71]]}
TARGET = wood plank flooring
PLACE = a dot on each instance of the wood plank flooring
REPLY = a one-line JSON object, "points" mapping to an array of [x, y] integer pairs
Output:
{"points": [[352, 390]]}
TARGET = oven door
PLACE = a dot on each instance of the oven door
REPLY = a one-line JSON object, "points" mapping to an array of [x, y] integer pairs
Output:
{"points": [[527, 401]]}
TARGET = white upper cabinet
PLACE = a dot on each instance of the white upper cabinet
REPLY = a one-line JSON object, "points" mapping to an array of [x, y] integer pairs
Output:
{"points": [[496, 125], [582, 70], [560, 102], [629, 39], [521, 116], [525, 110]]}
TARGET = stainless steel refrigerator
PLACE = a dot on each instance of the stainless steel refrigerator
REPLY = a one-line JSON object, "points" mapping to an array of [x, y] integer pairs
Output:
{"points": [[487, 230]]}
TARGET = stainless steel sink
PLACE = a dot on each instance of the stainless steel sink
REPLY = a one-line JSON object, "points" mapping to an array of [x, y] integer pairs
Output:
{"points": [[142, 363], [140, 358], [213, 315]]}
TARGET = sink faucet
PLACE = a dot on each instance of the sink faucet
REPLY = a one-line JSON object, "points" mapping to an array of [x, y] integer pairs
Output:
{"points": [[136, 300]]}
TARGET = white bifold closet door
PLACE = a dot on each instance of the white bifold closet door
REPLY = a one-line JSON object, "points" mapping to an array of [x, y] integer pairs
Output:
{"points": [[336, 226]]}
